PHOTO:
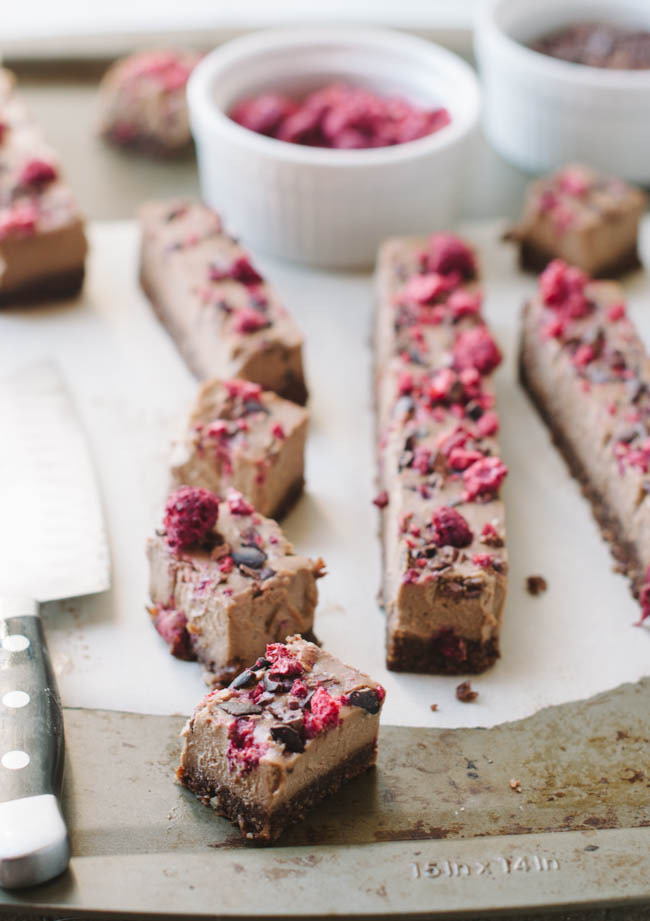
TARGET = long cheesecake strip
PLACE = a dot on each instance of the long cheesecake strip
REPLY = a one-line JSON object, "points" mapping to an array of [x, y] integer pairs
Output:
{"points": [[225, 319], [443, 530], [588, 373], [42, 242]]}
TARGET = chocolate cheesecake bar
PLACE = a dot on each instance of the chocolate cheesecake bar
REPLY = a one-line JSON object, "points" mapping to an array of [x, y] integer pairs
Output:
{"points": [[287, 733], [224, 582], [583, 217], [226, 320], [588, 373], [143, 104], [443, 532], [243, 437], [42, 241]]}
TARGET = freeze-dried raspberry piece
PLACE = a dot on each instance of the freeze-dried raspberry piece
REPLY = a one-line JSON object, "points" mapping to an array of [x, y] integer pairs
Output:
{"points": [[484, 478], [37, 173], [448, 254], [323, 713], [451, 528], [562, 288], [244, 751], [263, 114], [19, 220], [248, 320], [476, 348], [190, 513]]}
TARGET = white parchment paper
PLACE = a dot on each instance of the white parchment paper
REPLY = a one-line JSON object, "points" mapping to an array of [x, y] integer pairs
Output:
{"points": [[133, 389]]}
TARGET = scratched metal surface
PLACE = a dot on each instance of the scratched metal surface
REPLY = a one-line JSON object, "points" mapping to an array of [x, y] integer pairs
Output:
{"points": [[439, 807]]}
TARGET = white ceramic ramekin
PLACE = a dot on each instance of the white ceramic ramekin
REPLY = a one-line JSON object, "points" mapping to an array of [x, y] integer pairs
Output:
{"points": [[540, 112], [330, 207]]}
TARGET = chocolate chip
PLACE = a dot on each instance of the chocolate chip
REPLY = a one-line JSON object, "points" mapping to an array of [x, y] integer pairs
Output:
{"points": [[474, 587], [265, 573], [305, 701], [261, 663], [241, 681], [535, 585], [254, 406], [237, 707], [270, 684], [366, 698], [474, 411], [250, 556], [288, 736], [416, 357], [465, 693]]}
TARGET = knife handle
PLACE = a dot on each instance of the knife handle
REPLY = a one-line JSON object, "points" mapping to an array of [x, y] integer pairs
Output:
{"points": [[34, 842]]}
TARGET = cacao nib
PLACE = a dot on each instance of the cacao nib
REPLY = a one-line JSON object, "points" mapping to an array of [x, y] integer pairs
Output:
{"points": [[237, 707], [270, 684], [243, 680], [250, 556], [365, 698], [465, 693], [289, 737], [254, 406], [535, 585]]}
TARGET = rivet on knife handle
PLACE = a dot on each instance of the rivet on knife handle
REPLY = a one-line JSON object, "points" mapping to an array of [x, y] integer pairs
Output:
{"points": [[34, 843]]}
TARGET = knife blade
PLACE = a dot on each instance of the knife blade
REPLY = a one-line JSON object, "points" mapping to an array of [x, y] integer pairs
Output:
{"points": [[52, 545]]}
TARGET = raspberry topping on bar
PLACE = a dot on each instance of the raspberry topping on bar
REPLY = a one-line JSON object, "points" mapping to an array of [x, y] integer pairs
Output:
{"points": [[484, 478], [476, 348], [248, 320], [562, 288], [20, 219], [190, 514], [324, 713], [282, 661], [237, 504], [449, 255], [451, 528], [37, 173], [244, 751], [241, 270]]}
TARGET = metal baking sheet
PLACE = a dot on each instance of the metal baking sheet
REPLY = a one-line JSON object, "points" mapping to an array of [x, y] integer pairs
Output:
{"points": [[435, 829]]}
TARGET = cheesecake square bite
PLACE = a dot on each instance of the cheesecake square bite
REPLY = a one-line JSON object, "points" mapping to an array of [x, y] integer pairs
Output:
{"points": [[224, 582], [42, 241], [287, 733], [583, 217], [243, 437]]}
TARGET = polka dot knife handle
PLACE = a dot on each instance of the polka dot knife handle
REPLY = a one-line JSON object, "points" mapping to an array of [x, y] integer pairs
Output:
{"points": [[33, 838]]}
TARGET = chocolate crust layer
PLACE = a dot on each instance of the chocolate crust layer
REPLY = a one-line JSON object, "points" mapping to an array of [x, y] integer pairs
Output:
{"points": [[534, 259], [263, 825], [412, 654], [59, 286], [610, 525]]}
